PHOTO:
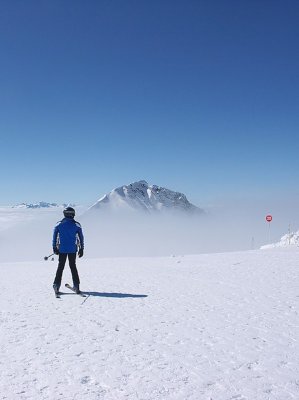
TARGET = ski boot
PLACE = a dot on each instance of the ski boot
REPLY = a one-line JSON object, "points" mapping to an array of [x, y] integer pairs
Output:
{"points": [[56, 288], [77, 290]]}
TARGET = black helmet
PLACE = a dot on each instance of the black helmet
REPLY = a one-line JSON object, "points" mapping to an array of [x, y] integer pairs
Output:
{"points": [[69, 212]]}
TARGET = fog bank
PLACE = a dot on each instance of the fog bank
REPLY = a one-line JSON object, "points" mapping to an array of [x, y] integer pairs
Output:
{"points": [[27, 235]]}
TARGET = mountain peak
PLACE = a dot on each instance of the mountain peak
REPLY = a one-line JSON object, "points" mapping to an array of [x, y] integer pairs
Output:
{"points": [[141, 196]]}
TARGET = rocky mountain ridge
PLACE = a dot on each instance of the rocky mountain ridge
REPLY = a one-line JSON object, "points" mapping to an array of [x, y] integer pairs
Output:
{"points": [[147, 198]]}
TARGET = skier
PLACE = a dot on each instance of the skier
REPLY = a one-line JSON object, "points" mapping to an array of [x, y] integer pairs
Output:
{"points": [[67, 239]]}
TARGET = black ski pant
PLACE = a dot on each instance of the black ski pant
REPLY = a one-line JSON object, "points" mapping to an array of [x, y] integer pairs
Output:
{"points": [[61, 263]]}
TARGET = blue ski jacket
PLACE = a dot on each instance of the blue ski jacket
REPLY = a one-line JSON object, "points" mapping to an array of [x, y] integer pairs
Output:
{"points": [[68, 236]]}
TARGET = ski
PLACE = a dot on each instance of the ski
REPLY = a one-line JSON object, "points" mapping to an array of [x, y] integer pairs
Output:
{"points": [[74, 290], [57, 295]]}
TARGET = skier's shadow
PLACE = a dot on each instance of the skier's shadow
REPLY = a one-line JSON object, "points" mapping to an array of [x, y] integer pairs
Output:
{"points": [[115, 295]]}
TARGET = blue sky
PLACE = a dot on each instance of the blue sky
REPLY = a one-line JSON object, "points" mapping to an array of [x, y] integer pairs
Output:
{"points": [[197, 96]]}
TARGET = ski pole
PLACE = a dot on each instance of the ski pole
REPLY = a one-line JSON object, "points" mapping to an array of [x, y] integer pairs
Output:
{"points": [[46, 257]]}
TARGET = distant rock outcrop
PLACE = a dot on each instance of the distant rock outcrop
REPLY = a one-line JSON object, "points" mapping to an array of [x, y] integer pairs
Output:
{"points": [[41, 204]]}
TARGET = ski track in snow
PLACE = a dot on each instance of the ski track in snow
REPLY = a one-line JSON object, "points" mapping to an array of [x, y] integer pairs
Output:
{"points": [[211, 327]]}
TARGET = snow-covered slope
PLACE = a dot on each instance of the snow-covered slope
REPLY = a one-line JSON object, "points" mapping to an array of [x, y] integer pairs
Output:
{"points": [[289, 239], [221, 327], [144, 197]]}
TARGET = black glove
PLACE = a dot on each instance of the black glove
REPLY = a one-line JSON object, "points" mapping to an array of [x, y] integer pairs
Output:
{"points": [[55, 250], [80, 253]]}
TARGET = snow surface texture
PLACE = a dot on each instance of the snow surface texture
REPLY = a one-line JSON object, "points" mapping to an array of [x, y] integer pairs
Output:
{"points": [[206, 327], [290, 239], [143, 197]]}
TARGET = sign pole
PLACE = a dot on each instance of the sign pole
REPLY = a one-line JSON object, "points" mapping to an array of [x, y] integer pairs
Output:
{"points": [[269, 219]]}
